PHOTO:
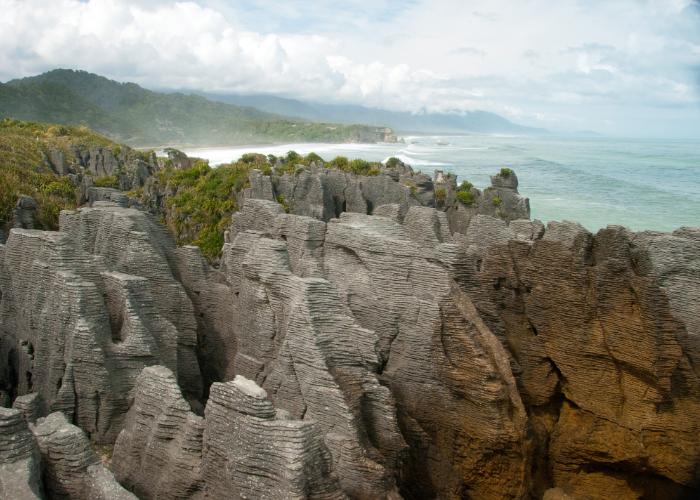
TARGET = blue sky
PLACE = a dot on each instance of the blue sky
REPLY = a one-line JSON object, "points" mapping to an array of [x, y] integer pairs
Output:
{"points": [[627, 67]]}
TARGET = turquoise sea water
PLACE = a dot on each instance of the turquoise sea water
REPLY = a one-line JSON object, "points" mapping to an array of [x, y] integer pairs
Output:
{"points": [[640, 183]]}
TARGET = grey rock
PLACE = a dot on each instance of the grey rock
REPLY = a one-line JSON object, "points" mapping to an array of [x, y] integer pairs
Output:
{"points": [[32, 407], [216, 342], [23, 215], [391, 211], [254, 451], [84, 310], [86, 183], [567, 232], [60, 163], [485, 231], [159, 452], [500, 201], [71, 468], [97, 194], [527, 229], [20, 474], [292, 339], [260, 186]]}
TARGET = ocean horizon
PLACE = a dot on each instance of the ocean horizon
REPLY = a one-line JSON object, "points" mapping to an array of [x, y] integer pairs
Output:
{"points": [[644, 184]]}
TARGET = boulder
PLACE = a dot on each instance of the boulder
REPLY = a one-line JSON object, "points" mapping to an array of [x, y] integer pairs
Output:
{"points": [[20, 461], [71, 468], [159, 452]]}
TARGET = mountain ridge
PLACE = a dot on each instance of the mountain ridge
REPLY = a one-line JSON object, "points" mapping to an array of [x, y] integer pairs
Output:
{"points": [[174, 118]]}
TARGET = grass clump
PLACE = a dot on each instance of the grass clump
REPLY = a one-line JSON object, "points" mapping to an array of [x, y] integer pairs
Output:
{"points": [[465, 197], [496, 201], [465, 186], [440, 196], [505, 172], [106, 181], [490, 188], [392, 162], [502, 215]]}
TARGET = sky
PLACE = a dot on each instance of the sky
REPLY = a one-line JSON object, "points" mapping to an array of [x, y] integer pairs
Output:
{"points": [[620, 67]]}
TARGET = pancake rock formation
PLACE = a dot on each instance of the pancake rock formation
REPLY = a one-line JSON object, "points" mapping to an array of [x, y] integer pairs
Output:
{"points": [[370, 337]]}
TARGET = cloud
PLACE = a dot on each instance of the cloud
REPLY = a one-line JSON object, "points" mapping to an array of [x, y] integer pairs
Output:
{"points": [[472, 51], [526, 60]]}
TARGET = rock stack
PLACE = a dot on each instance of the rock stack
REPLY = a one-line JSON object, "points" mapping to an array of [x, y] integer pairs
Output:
{"points": [[365, 345]]}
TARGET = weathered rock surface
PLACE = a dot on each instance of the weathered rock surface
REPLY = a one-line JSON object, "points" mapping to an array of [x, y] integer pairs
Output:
{"points": [[23, 216], [84, 310], [20, 474], [501, 200], [604, 356], [158, 455], [71, 468], [254, 451], [417, 353]]}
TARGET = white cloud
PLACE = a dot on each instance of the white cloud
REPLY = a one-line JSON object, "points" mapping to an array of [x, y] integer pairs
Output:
{"points": [[532, 60]]}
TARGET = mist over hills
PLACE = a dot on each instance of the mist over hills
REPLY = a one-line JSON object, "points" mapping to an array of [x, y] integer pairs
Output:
{"points": [[471, 121], [128, 113]]}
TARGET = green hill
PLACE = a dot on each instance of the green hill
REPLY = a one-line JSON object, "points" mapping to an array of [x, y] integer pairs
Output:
{"points": [[162, 119], [50, 102], [21, 145]]}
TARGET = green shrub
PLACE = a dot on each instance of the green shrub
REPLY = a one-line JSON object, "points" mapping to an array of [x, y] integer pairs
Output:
{"points": [[106, 181], [266, 170], [312, 157], [440, 196], [465, 197], [293, 158], [505, 172], [465, 186], [490, 188], [359, 167], [412, 186], [502, 215], [283, 202], [340, 162], [392, 162], [496, 201]]}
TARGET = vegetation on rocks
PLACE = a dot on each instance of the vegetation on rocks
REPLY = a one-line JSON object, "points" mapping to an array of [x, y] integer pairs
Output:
{"points": [[21, 145], [440, 197], [465, 197]]}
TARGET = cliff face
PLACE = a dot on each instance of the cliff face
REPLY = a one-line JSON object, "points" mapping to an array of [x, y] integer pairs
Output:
{"points": [[366, 345]]}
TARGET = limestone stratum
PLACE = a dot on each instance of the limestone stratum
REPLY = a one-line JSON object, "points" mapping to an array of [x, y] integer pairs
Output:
{"points": [[294, 328]]}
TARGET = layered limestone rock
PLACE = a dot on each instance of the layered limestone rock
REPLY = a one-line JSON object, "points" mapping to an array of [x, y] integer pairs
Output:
{"points": [[159, 452], [459, 410], [216, 343], [23, 216], [254, 451], [309, 341], [501, 201], [71, 468], [324, 193], [244, 448], [84, 310], [20, 461], [604, 341]]}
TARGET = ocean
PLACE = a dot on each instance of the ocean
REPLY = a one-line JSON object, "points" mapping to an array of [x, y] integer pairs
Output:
{"points": [[639, 183]]}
